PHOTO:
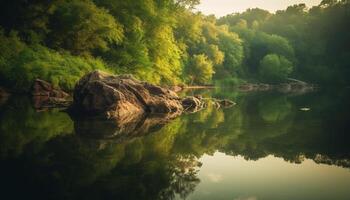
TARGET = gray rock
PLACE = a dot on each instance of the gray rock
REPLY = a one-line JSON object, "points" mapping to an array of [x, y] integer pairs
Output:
{"points": [[128, 103], [122, 97]]}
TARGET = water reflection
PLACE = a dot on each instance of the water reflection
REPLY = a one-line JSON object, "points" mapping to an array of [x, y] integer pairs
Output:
{"points": [[47, 155], [233, 177]]}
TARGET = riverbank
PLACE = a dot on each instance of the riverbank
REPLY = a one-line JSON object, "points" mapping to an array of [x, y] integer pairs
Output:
{"points": [[294, 86], [45, 95], [288, 87]]}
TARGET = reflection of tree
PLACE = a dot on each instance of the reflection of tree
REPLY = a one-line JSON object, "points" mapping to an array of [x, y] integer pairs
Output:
{"points": [[207, 131], [274, 109], [164, 163], [73, 166], [263, 124], [184, 178], [21, 125], [284, 131]]}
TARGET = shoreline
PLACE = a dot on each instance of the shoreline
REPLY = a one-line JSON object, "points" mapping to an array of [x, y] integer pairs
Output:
{"points": [[200, 87]]}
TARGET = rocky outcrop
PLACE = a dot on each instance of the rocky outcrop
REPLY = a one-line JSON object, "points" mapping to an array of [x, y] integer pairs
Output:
{"points": [[119, 107], [127, 99], [44, 95], [122, 97]]}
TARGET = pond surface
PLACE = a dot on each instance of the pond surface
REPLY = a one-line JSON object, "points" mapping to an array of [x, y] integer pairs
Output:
{"points": [[266, 147]]}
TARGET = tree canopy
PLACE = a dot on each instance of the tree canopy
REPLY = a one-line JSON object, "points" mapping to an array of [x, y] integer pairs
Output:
{"points": [[167, 42]]}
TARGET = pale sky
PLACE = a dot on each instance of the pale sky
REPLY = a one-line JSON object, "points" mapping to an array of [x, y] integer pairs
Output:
{"points": [[224, 7]]}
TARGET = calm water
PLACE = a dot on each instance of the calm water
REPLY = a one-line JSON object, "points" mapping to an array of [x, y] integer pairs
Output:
{"points": [[264, 148]]}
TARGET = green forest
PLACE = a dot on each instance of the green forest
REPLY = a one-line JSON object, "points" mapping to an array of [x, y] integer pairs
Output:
{"points": [[168, 42]]}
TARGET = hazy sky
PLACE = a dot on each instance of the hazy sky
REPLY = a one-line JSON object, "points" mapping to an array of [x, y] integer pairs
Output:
{"points": [[224, 7]]}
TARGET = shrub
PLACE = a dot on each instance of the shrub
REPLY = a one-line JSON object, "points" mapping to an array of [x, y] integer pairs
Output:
{"points": [[20, 65], [274, 68]]}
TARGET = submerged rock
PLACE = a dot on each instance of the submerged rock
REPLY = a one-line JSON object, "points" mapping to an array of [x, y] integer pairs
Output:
{"points": [[192, 104]]}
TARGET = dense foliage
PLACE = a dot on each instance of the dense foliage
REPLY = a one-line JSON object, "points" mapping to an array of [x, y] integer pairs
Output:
{"points": [[315, 40], [166, 42]]}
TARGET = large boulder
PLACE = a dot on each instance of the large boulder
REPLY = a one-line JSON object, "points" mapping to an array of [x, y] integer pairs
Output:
{"points": [[122, 97]]}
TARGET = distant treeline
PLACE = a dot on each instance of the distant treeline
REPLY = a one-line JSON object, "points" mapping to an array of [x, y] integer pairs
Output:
{"points": [[166, 42]]}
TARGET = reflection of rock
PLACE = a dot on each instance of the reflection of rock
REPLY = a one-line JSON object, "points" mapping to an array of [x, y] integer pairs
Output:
{"points": [[42, 102], [225, 103], [192, 104], [121, 97], [196, 103], [46, 96], [101, 128]]}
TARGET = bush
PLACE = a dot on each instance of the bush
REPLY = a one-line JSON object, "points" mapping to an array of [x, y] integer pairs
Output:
{"points": [[229, 82], [200, 69], [20, 65], [274, 68]]}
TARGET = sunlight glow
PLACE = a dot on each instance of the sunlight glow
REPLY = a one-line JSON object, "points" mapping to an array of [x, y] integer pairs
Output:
{"points": [[224, 7]]}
